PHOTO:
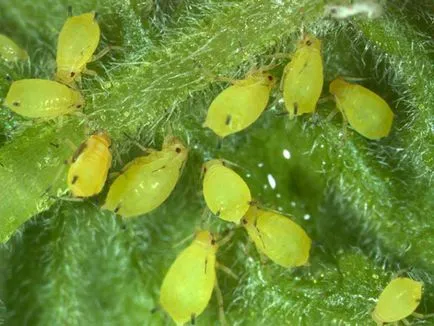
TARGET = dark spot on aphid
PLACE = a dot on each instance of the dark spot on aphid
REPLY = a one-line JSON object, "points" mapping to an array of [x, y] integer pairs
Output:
{"points": [[223, 163], [159, 169], [308, 42], [218, 213], [178, 150], [72, 74], [212, 242], [204, 170], [74, 179], [54, 144], [270, 78], [193, 319], [117, 208], [79, 150], [206, 264], [16, 103], [244, 221], [228, 120], [78, 106], [295, 108]]}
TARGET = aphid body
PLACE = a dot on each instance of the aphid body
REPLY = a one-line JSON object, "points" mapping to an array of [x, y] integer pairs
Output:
{"points": [[188, 285], [89, 166], [303, 77], [239, 105], [147, 181], [40, 98], [398, 300], [226, 193], [277, 237], [364, 110], [77, 42], [10, 51]]}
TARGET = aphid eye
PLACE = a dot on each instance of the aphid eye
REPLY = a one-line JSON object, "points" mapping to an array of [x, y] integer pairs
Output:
{"points": [[244, 221], [270, 78], [178, 150], [308, 42], [204, 170], [72, 74], [16, 103], [78, 106], [223, 163], [212, 242]]}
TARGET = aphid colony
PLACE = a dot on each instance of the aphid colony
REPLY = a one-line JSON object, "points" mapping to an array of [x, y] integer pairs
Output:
{"points": [[147, 181]]}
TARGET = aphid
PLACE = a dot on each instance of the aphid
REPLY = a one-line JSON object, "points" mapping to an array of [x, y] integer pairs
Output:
{"points": [[364, 110], [398, 300], [226, 193], [239, 105], [39, 98], [303, 78], [188, 285], [369, 8], [77, 42], [276, 236], [147, 181], [89, 166], [10, 51]]}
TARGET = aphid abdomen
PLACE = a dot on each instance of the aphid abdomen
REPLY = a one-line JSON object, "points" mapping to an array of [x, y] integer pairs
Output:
{"points": [[88, 173], [39, 98]]}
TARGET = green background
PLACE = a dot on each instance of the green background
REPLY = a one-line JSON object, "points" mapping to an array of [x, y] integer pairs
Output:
{"points": [[367, 205]]}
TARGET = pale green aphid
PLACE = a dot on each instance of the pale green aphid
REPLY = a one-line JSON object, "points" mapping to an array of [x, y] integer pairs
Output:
{"points": [[40, 98], [364, 110], [10, 51], [399, 299]]}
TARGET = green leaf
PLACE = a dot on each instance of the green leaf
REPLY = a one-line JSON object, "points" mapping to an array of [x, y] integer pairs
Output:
{"points": [[367, 205]]}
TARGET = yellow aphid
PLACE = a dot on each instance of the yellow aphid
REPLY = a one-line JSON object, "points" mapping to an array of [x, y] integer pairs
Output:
{"points": [[77, 42], [276, 236], [147, 181], [239, 105], [89, 166], [398, 300], [10, 51], [364, 110], [40, 98], [303, 77], [226, 193], [188, 285]]}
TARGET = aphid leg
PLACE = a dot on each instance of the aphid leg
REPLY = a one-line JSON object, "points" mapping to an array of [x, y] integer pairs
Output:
{"points": [[90, 72], [220, 302], [405, 322], [228, 120], [226, 270], [135, 142], [422, 316], [331, 115], [226, 239], [104, 52]]}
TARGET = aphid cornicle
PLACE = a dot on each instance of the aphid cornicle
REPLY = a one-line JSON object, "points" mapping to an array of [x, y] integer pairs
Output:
{"points": [[240, 105], [10, 51], [303, 77], [77, 42], [89, 166], [226, 193], [40, 98], [277, 237], [364, 110], [147, 181], [188, 285], [398, 300]]}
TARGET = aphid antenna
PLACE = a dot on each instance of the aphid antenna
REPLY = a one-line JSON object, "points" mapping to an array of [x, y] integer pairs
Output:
{"points": [[226, 270], [354, 79], [220, 302], [230, 163], [184, 240], [135, 142]]}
